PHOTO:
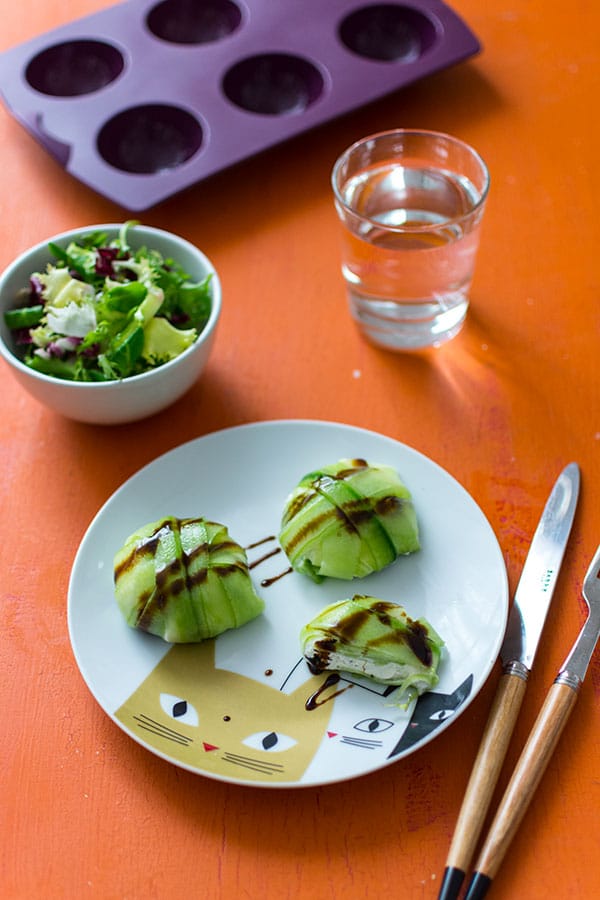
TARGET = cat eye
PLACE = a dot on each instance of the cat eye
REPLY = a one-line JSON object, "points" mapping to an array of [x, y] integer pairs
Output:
{"points": [[269, 740], [179, 709], [372, 726], [441, 714]]}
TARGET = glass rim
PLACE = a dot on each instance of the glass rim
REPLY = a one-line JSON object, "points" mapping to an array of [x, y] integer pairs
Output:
{"points": [[413, 132]]}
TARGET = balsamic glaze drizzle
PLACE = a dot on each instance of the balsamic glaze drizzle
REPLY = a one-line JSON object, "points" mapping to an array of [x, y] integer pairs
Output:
{"points": [[317, 699], [267, 582]]}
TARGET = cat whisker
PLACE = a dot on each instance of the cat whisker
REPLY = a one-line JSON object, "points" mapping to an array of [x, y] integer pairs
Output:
{"points": [[256, 765], [157, 728], [363, 743]]}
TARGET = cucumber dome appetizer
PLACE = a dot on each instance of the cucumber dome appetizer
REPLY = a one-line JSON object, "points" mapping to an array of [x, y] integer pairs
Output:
{"points": [[184, 580], [347, 520], [375, 638]]}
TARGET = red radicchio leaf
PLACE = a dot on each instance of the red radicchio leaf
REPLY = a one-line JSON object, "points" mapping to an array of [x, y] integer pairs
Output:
{"points": [[104, 261], [22, 336], [92, 351], [36, 289]]}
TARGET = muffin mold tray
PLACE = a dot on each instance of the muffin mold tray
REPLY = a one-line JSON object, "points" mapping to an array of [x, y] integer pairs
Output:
{"points": [[148, 97]]}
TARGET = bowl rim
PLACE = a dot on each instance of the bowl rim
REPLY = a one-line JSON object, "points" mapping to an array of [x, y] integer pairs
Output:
{"points": [[64, 236]]}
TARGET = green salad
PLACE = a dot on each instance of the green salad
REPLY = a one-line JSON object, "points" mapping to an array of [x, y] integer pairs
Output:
{"points": [[103, 311]]}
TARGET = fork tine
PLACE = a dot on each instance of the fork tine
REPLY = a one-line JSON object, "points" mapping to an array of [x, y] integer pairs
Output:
{"points": [[591, 582]]}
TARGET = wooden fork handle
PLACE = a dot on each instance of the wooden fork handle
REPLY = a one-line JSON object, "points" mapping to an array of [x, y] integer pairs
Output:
{"points": [[486, 770], [528, 772]]}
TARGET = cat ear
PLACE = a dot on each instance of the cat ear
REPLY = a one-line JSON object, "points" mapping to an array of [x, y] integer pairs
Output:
{"points": [[197, 661], [462, 691]]}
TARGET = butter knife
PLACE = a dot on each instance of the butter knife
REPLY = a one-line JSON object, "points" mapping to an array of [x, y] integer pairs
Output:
{"points": [[524, 629]]}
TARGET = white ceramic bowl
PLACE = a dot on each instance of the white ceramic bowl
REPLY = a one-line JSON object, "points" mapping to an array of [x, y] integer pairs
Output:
{"points": [[129, 399]]}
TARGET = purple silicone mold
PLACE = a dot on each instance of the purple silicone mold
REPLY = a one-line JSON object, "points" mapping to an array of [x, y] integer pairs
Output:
{"points": [[143, 99]]}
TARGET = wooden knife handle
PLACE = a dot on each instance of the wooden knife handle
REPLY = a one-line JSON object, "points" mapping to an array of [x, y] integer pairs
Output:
{"points": [[526, 776], [486, 770]]}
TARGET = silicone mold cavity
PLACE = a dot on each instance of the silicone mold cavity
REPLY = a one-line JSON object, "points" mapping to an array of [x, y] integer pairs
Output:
{"points": [[388, 32], [273, 84], [190, 22], [150, 139], [73, 68], [146, 98]]}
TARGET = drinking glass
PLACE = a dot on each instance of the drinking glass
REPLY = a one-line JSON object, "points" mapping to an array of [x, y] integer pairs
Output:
{"points": [[410, 205]]}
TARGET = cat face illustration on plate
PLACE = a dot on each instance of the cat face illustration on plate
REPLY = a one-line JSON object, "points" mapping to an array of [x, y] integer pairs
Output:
{"points": [[227, 725], [224, 723]]}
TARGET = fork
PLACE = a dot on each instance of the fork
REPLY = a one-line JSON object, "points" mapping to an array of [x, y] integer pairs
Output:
{"points": [[542, 741]]}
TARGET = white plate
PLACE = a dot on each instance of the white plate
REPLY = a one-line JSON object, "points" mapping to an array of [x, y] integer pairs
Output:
{"points": [[235, 709]]}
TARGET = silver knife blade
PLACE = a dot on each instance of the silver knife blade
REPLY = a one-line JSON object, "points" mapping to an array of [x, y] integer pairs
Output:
{"points": [[540, 572]]}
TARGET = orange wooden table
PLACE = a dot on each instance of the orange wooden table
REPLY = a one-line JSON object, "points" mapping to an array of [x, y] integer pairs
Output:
{"points": [[85, 811]]}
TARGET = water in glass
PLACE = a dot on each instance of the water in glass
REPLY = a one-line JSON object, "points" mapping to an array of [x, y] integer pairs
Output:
{"points": [[409, 250]]}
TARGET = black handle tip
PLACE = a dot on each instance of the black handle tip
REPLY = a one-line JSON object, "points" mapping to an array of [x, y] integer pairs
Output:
{"points": [[453, 879], [478, 886]]}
